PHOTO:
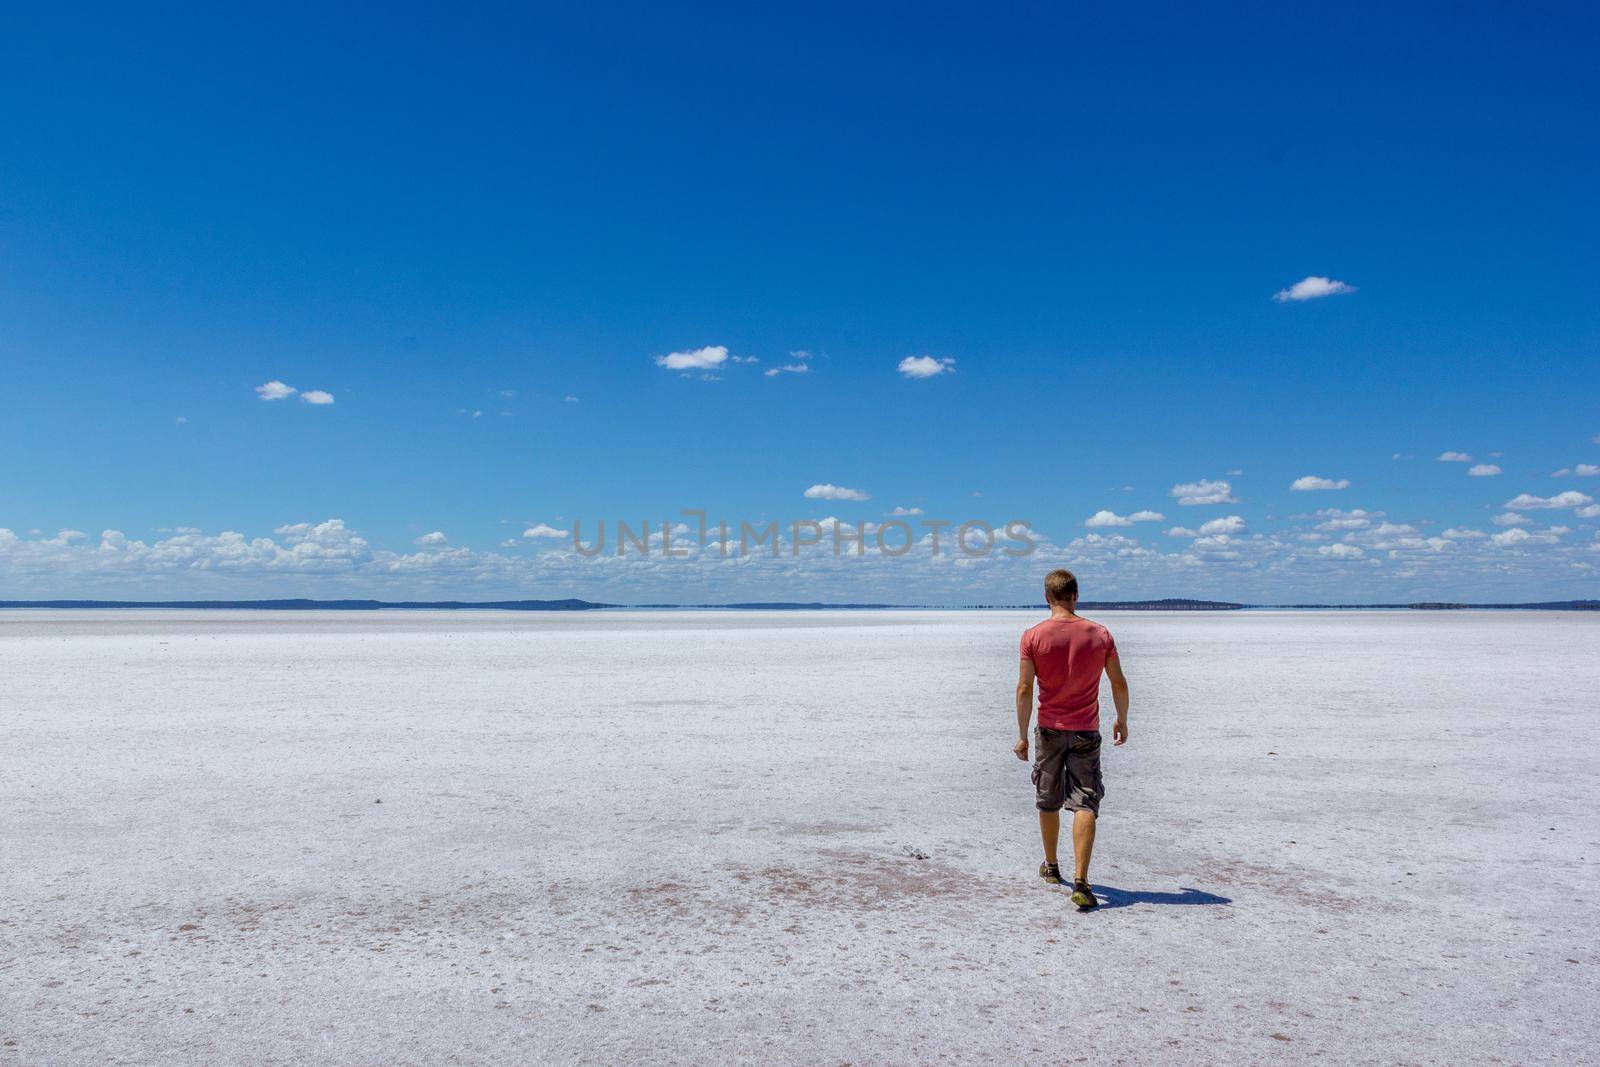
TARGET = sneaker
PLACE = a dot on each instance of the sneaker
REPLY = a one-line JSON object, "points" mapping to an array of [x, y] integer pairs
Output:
{"points": [[1083, 896], [1050, 873]]}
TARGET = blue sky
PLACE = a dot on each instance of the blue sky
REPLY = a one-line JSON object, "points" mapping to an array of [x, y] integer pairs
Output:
{"points": [[452, 220]]}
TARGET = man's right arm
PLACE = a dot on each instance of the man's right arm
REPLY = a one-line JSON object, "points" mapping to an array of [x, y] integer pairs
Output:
{"points": [[1024, 707], [1119, 696]]}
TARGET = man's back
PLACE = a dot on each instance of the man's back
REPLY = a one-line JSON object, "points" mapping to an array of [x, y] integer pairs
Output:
{"points": [[1068, 657]]}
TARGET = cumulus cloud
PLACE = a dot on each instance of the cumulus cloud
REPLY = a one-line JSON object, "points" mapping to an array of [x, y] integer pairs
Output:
{"points": [[1528, 502], [829, 491], [1310, 482], [1582, 470], [1588, 511], [1454, 457], [1483, 470], [1511, 518], [275, 390], [569, 399], [709, 358], [1458, 534], [900, 512], [801, 364], [1203, 492], [1231, 525], [926, 366], [318, 396], [544, 530], [437, 537], [1312, 287], [1354, 519], [1111, 518], [1514, 536], [1341, 550]]}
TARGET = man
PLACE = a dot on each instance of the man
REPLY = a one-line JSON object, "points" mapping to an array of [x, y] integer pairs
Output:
{"points": [[1066, 653]]}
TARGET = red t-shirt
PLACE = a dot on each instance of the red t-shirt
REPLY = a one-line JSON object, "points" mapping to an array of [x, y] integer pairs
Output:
{"points": [[1068, 656]]}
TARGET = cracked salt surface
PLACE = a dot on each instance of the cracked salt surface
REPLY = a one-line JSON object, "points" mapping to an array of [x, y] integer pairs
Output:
{"points": [[795, 837]]}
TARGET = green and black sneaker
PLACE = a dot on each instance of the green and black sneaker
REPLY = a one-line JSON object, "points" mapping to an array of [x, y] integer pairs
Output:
{"points": [[1050, 873], [1083, 896]]}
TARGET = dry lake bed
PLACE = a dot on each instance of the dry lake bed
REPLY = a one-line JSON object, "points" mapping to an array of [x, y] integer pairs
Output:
{"points": [[799, 837]]}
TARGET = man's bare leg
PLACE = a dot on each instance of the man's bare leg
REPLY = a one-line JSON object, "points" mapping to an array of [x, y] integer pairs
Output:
{"points": [[1050, 830], [1082, 843]]}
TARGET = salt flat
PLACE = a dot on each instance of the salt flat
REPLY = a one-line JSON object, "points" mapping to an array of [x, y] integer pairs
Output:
{"points": [[788, 837]]}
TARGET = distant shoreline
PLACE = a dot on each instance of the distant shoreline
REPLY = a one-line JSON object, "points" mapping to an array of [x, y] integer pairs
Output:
{"points": [[573, 604]]}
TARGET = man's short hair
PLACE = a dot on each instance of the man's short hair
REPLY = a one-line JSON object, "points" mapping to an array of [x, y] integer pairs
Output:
{"points": [[1060, 587]]}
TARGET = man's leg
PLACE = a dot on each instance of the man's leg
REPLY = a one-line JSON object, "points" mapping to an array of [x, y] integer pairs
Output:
{"points": [[1082, 843], [1050, 830]]}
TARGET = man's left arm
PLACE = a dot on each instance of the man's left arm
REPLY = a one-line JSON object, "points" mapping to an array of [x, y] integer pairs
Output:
{"points": [[1024, 708]]}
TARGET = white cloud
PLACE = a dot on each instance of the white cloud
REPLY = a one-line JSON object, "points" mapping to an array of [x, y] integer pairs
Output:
{"points": [[1340, 551], [801, 364], [544, 530], [1454, 457], [1483, 470], [1582, 470], [508, 392], [1511, 518], [1203, 492], [1312, 287], [569, 399], [1514, 536], [829, 491], [1230, 525], [1111, 518], [903, 512], [182, 420], [708, 358], [317, 396], [1588, 511], [1309, 482], [437, 537], [1354, 519], [1457, 534], [1528, 502], [926, 366], [275, 390]]}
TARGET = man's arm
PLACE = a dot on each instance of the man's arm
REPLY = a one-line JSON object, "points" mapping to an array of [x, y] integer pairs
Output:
{"points": [[1119, 696], [1024, 708]]}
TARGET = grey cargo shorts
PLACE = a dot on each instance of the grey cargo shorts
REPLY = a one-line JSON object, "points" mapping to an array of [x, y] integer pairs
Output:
{"points": [[1066, 770]]}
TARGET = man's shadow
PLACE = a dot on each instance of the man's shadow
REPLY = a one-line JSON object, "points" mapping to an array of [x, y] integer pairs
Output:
{"points": [[1111, 897]]}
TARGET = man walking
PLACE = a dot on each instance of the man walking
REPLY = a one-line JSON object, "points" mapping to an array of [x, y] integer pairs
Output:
{"points": [[1066, 653]]}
